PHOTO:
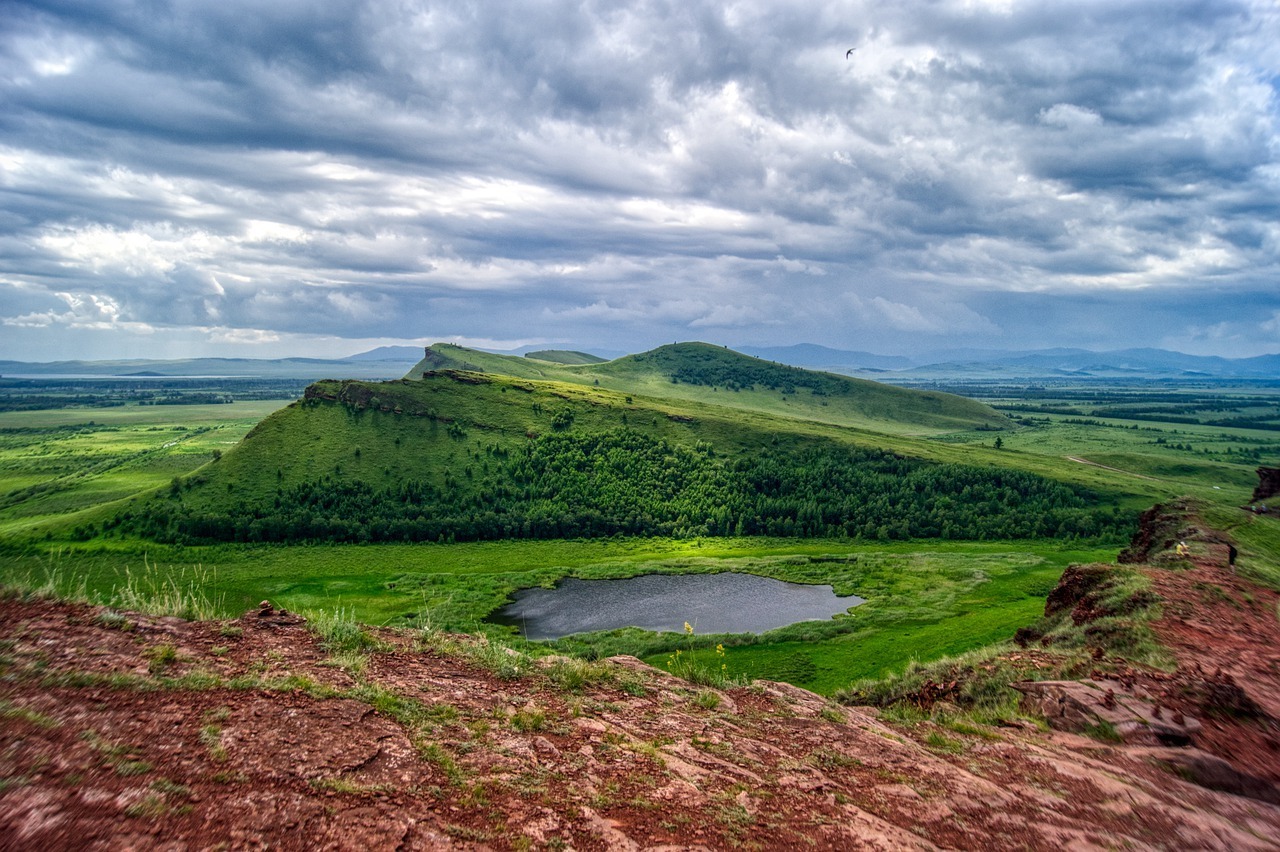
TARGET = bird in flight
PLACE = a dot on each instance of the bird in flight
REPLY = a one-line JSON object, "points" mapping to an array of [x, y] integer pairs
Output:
{"points": [[849, 52]]}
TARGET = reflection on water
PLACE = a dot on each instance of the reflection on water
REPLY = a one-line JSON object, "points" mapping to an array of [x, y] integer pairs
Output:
{"points": [[712, 603]]}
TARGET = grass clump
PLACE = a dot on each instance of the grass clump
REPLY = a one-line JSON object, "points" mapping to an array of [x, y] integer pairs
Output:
{"points": [[124, 759], [343, 785], [182, 592], [158, 592], [941, 742], [573, 675], [165, 798], [438, 756], [977, 683], [211, 739], [9, 710], [160, 657], [529, 720], [165, 787], [698, 667], [339, 631], [502, 661], [1103, 731], [114, 620], [833, 714], [707, 699], [351, 662]]}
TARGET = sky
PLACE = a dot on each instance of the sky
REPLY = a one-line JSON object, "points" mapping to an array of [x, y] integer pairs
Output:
{"points": [[240, 178]]}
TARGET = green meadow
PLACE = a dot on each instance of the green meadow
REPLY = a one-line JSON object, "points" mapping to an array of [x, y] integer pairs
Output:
{"points": [[57, 463], [62, 471], [923, 599]]}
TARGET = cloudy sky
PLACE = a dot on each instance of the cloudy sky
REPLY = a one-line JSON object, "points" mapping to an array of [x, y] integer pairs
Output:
{"points": [[237, 177]]}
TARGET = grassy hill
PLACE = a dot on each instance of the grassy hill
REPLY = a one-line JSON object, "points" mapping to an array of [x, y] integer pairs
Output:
{"points": [[466, 455], [699, 372], [561, 356]]}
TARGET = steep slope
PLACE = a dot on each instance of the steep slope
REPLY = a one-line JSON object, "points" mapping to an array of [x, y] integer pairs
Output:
{"points": [[711, 374], [472, 456], [123, 730]]}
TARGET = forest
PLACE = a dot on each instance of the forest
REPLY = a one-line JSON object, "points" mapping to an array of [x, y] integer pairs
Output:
{"points": [[622, 482]]}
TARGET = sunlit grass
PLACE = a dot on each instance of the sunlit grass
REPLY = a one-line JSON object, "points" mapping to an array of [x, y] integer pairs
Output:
{"points": [[925, 599], [185, 591]]}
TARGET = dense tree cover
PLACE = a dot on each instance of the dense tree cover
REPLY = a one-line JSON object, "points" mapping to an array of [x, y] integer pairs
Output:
{"points": [[739, 376], [621, 482], [711, 366]]}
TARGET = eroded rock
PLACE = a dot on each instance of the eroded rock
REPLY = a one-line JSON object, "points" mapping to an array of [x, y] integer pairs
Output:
{"points": [[1090, 706]]}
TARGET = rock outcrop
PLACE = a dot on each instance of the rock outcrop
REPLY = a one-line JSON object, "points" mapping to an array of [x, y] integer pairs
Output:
{"points": [[248, 734], [1268, 484], [1106, 709]]}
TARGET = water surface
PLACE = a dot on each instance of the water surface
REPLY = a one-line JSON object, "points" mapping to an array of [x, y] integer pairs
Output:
{"points": [[712, 603]]}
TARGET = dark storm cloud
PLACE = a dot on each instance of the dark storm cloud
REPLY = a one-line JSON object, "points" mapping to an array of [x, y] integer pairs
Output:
{"points": [[279, 176]]}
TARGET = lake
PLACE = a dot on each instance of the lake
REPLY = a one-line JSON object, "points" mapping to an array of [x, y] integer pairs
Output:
{"points": [[713, 603]]}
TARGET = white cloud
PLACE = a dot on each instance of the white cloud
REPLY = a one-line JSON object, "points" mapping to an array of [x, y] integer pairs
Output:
{"points": [[732, 316], [800, 266], [628, 174], [248, 337], [138, 251], [85, 311], [1069, 117], [1272, 326]]}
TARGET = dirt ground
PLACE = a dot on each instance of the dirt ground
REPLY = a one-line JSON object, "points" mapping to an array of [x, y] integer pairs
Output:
{"points": [[126, 731]]}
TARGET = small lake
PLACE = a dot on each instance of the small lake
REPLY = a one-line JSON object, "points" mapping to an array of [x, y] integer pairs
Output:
{"points": [[712, 603]]}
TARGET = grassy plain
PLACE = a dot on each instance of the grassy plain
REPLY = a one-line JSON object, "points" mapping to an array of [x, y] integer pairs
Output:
{"points": [[56, 463], [58, 469]]}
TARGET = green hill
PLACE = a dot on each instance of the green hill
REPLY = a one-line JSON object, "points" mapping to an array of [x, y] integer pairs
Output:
{"points": [[464, 455], [560, 356], [700, 372]]}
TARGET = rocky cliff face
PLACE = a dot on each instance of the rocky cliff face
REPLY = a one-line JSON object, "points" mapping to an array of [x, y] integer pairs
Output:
{"points": [[1268, 483], [120, 730]]}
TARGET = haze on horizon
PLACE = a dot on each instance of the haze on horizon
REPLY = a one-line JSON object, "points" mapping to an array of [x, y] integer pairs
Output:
{"points": [[311, 178]]}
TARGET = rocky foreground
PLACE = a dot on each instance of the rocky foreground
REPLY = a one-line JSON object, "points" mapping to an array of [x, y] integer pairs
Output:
{"points": [[126, 731]]}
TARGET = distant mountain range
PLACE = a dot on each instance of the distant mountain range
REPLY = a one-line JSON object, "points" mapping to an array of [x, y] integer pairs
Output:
{"points": [[1083, 363], [818, 357], [393, 361], [1041, 363], [363, 366]]}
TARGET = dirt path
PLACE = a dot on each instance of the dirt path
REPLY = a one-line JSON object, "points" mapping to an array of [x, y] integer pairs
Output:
{"points": [[1107, 467]]}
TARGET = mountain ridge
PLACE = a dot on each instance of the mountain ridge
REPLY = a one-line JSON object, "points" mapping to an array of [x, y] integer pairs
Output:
{"points": [[703, 372], [380, 363]]}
